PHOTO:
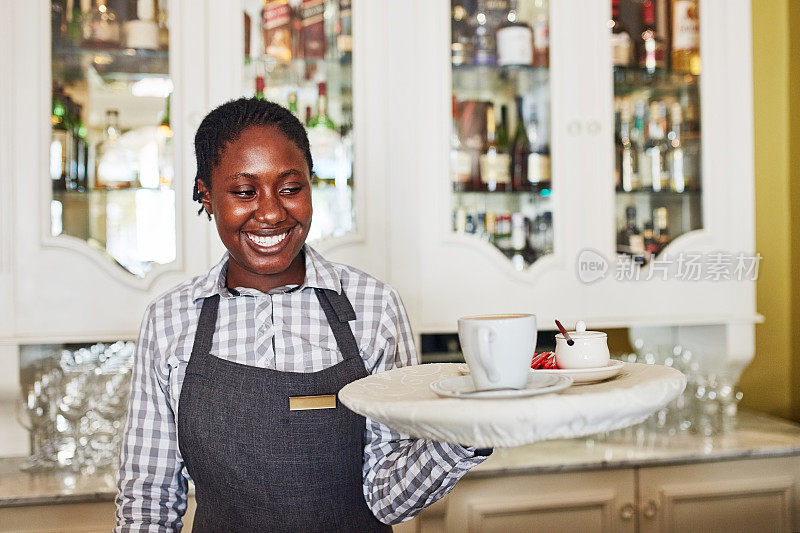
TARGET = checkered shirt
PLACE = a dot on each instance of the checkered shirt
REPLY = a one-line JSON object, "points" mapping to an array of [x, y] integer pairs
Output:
{"points": [[286, 330]]}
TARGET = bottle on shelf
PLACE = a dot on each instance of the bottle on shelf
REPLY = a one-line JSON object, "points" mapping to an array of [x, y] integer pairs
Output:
{"points": [[621, 42], [141, 32], [502, 129], [522, 254], [461, 47], [675, 154], [276, 26], [652, 48], [495, 163], [686, 37], [344, 31], [75, 24], [489, 14], [58, 22], [114, 166], [307, 121], [460, 159], [59, 138], [520, 152], [326, 142], [630, 240], [539, 158], [514, 40], [313, 28], [292, 104], [101, 29], [655, 148], [541, 33], [627, 167], [650, 244], [662, 230], [260, 88]]}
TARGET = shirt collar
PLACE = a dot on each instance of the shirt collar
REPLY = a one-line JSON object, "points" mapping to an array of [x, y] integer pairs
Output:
{"points": [[319, 274]]}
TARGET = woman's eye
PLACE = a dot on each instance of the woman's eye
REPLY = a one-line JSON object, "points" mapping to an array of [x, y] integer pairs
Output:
{"points": [[244, 194], [291, 190]]}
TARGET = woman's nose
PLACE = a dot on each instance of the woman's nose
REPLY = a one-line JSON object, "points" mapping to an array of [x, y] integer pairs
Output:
{"points": [[270, 210]]}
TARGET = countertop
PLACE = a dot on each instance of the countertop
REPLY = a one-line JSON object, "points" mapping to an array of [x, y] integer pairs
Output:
{"points": [[756, 435]]}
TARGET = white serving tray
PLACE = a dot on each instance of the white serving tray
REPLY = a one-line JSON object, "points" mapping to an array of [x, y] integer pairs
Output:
{"points": [[403, 400]]}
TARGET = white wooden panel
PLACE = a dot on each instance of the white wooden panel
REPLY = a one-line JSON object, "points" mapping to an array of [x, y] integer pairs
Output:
{"points": [[580, 501], [748, 496]]}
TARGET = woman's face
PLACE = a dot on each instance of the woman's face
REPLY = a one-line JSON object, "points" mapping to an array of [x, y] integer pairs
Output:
{"points": [[261, 201]]}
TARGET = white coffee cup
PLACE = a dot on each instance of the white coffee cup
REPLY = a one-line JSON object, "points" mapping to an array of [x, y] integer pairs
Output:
{"points": [[498, 349]]}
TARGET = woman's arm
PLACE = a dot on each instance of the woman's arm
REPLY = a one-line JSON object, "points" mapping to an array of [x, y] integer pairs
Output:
{"points": [[151, 488], [402, 475]]}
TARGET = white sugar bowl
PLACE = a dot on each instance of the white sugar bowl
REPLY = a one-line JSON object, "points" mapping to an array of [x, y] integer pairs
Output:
{"points": [[590, 349]]}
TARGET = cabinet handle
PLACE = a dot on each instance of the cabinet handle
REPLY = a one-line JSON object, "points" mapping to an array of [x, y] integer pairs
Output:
{"points": [[593, 127], [627, 511], [650, 509], [574, 127]]}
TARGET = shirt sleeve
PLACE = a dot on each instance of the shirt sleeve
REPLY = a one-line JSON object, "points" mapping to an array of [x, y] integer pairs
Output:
{"points": [[151, 487], [403, 475]]}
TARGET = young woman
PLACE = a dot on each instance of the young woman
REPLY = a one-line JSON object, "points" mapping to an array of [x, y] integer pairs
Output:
{"points": [[220, 355]]}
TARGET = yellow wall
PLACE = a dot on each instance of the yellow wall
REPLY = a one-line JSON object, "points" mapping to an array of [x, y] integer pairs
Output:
{"points": [[772, 380]]}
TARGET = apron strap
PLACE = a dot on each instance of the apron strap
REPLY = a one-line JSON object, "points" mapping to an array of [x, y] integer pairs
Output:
{"points": [[339, 311], [205, 327]]}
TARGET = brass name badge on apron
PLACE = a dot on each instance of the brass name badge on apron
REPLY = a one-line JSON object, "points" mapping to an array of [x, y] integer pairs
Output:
{"points": [[301, 403]]}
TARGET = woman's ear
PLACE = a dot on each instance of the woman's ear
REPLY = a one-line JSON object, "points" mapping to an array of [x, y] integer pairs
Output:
{"points": [[205, 196]]}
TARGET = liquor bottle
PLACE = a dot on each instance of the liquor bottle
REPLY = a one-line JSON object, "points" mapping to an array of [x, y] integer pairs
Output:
{"points": [[115, 167], [344, 31], [75, 24], [662, 232], [101, 28], [141, 30], [520, 151], [494, 163], [292, 104], [276, 25], [675, 153], [652, 49], [322, 118], [514, 40], [522, 253], [621, 42], [58, 22], [539, 158], [460, 220], [325, 140], [686, 36], [541, 33], [260, 88], [484, 45], [626, 154], [630, 240], [502, 129], [461, 47], [307, 121], [247, 36], [650, 244], [58, 142], [655, 148], [460, 159], [313, 28]]}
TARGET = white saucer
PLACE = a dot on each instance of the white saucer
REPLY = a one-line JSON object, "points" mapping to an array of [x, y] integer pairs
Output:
{"points": [[463, 387], [585, 375]]}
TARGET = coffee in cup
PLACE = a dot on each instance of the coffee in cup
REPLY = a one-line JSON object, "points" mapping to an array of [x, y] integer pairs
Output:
{"points": [[498, 349]]}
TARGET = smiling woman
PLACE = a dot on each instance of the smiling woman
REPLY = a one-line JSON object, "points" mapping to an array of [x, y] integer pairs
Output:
{"points": [[254, 353], [261, 198]]}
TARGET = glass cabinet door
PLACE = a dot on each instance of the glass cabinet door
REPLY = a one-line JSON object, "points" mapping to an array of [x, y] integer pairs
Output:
{"points": [[656, 56], [500, 142], [111, 161], [298, 53]]}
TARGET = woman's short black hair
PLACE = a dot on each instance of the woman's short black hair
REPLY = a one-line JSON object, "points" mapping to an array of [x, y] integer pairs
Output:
{"points": [[227, 122]]}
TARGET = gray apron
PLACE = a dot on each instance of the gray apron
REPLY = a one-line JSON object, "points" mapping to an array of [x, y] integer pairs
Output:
{"points": [[256, 464]]}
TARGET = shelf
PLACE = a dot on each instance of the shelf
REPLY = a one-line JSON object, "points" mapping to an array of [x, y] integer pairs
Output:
{"points": [[694, 193], [538, 191], [519, 79], [104, 192], [113, 63], [629, 80]]}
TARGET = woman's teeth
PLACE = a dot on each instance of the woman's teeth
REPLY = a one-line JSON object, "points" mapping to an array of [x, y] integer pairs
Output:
{"points": [[266, 241]]}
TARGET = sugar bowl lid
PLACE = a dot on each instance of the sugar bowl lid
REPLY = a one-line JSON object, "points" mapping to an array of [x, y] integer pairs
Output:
{"points": [[581, 333]]}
